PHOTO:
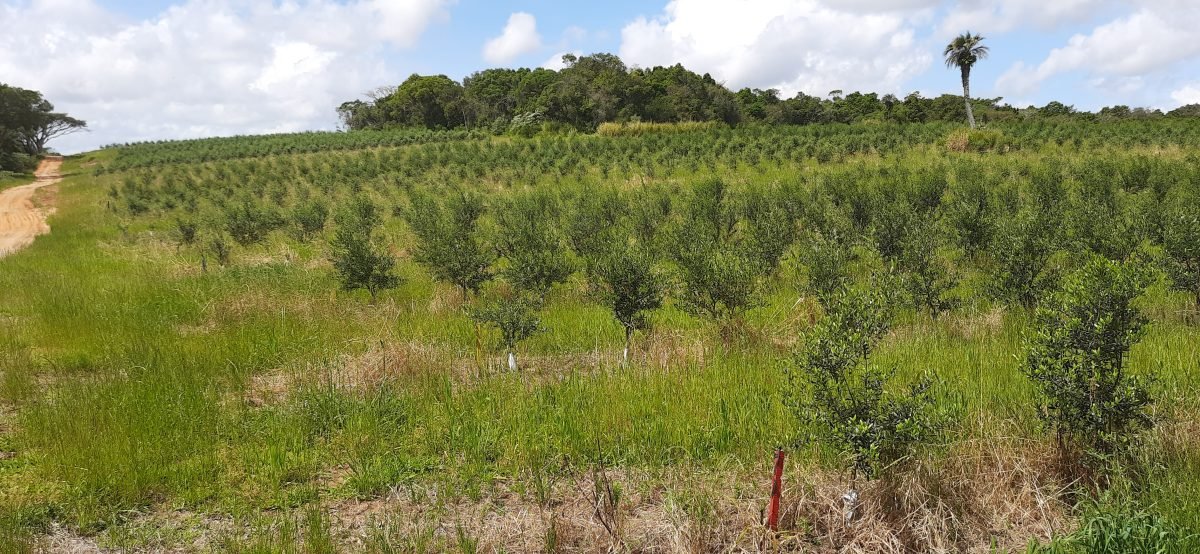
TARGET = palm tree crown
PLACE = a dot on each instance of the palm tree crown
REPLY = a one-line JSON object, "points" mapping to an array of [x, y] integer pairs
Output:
{"points": [[965, 50]]}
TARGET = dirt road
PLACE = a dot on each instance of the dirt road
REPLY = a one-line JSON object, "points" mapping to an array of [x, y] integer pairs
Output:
{"points": [[20, 220]]}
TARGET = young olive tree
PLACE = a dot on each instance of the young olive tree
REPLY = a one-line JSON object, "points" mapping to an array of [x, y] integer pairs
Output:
{"points": [[630, 286], [515, 316], [850, 403], [529, 239], [309, 218], [1181, 242], [448, 241], [592, 222], [769, 222], [360, 262], [1076, 358], [828, 258], [926, 276], [720, 278], [1022, 249], [248, 221]]}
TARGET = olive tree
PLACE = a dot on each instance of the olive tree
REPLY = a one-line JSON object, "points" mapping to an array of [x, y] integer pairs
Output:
{"points": [[1181, 242], [516, 317], [358, 259], [720, 277], [1075, 357], [850, 403], [532, 244], [448, 241], [630, 286]]}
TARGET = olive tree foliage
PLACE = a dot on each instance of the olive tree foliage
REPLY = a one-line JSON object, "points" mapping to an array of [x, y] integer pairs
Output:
{"points": [[720, 279], [1076, 358], [768, 219], [828, 257], [1022, 250], [1180, 224], [972, 215], [448, 239], [846, 401], [630, 285], [358, 259], [249, 221], [530, 239], [309, 218], [927, 277], [593, 221], [514, 315]]}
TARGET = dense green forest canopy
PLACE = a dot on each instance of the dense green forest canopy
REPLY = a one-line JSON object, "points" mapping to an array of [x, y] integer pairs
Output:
{"points": [[600, 88], [27, 123]]}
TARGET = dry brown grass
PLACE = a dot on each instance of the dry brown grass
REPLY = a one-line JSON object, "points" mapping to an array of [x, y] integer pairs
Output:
{"points": [[983, 493]]}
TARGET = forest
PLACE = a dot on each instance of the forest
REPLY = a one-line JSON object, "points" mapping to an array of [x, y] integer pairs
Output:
{"points": [[599, 88]]}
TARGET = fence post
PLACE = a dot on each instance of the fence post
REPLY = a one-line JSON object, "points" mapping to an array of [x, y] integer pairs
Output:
{"points": [[776, 492]]}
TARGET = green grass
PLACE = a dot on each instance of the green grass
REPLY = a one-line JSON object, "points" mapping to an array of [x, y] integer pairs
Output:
{"points": [[129, 378], [9, 179]]}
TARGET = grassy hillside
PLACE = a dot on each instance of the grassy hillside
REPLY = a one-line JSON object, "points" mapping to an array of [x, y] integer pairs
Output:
{"points": [[157, 396]]}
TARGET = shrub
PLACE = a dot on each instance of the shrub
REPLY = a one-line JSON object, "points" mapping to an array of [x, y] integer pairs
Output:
{"points": [[770, 226], [927, 278], [1022, 250], [359, 262], [592, 222], [220, 249], [526, 124], [630, 286], [1181, 242], [249, 222], [1076, 358], [532, 243], [828, 258], [720, 279], [186, 228], [309, 218], [447, 240], [851, 404], [515, 316], [972, 216]]}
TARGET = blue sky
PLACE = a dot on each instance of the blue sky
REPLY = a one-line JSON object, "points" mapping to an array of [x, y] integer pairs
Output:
{"points": [[186, 68]]}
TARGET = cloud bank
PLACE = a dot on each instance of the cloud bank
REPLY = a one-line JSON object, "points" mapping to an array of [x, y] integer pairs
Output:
{"points": [[205, 67]]}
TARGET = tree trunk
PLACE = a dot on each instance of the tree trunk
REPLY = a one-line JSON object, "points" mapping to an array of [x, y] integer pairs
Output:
{"points": [[625, 354], [966, 82], [512, 361]]}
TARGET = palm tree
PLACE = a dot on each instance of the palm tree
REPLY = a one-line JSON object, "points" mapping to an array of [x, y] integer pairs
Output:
{"points": [[963, 52]]}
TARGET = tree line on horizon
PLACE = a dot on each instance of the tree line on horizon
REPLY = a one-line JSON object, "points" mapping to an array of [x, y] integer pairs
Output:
{"points": [[601, 88]]}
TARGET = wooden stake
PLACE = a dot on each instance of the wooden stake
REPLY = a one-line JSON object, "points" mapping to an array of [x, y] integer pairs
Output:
{"points": [[776, 492]]}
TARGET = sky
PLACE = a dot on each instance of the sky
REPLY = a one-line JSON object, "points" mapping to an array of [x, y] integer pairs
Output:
{"points": [[159, 69]]}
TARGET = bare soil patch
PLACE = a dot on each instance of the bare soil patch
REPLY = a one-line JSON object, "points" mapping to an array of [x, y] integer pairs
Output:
{"points": [[22, 218]]}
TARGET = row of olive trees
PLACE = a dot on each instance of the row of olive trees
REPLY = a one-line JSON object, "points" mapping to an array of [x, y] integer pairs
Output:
{"points": [[712, 248], [1075, 356]]}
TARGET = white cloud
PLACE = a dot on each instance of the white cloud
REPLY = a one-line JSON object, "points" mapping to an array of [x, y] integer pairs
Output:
{"points": [[991, 16], [793, 45], [205, 67], [1188, 94], [520, 36], [1156, 36]]}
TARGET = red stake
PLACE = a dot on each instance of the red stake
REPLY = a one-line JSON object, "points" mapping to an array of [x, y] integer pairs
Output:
{"points": [[776, 492]]}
